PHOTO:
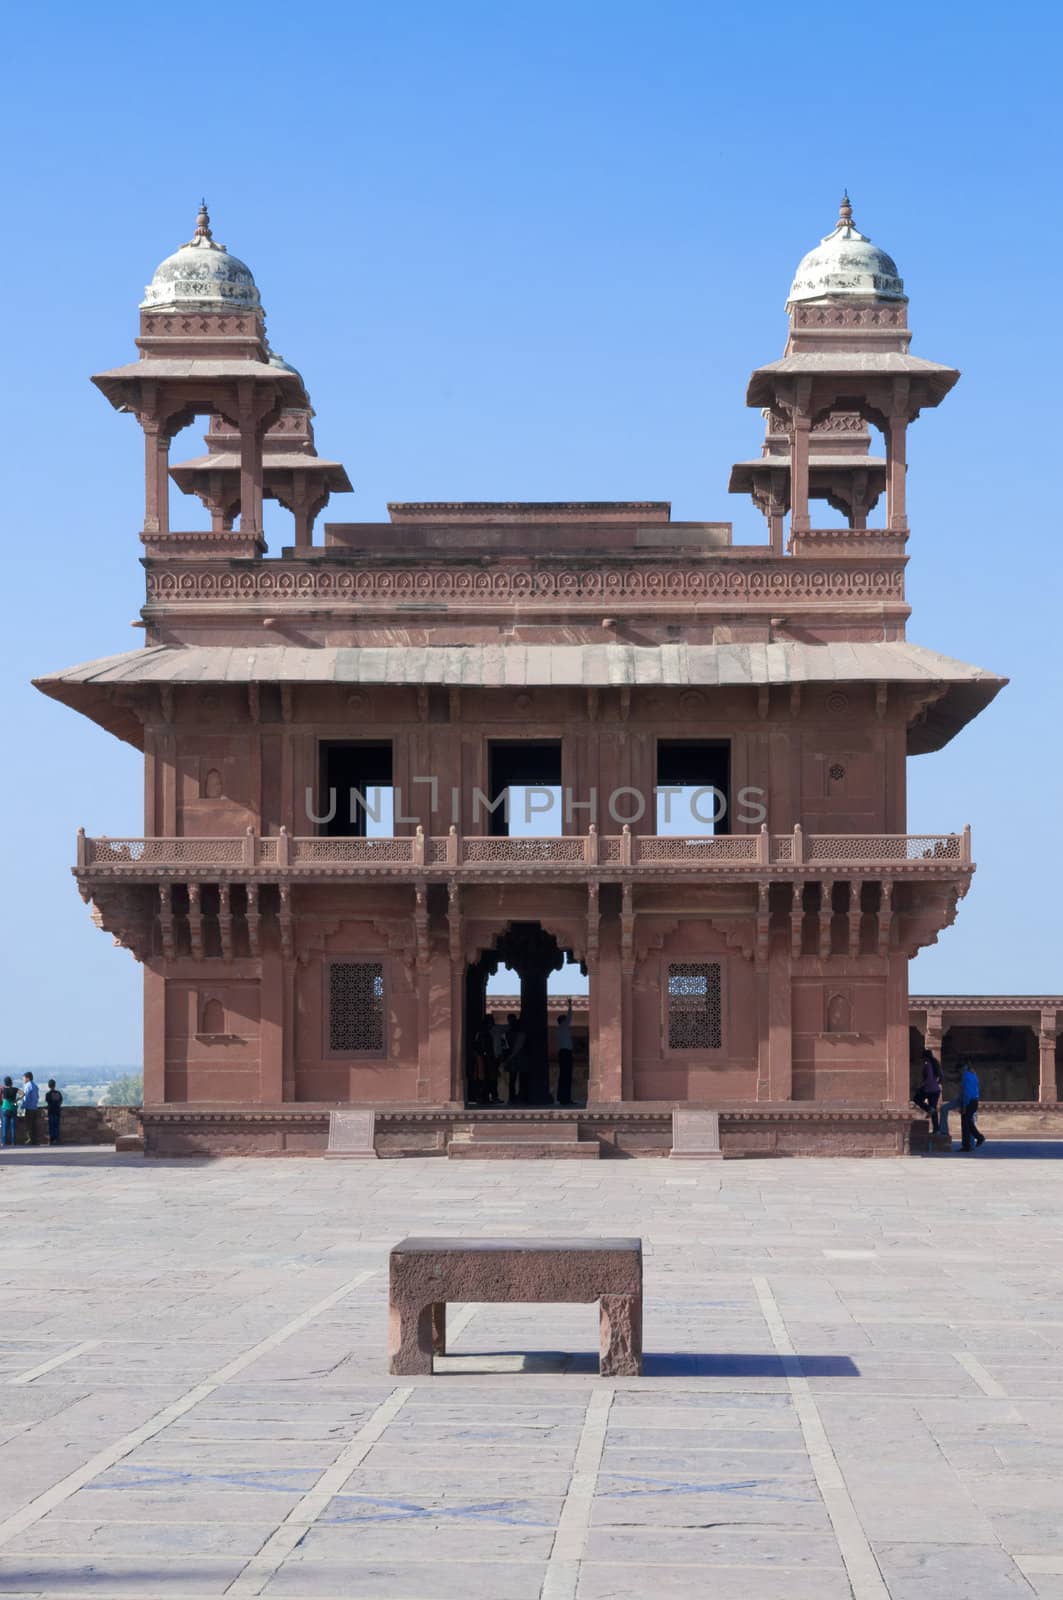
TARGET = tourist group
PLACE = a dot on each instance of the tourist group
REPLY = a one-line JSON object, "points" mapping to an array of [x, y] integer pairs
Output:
{"points": [[21, 1105], [928, 1098]]}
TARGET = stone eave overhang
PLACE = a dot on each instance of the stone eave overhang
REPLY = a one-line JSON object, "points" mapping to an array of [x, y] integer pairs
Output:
{"points": [[930, 381], [121, 385], [949, 692]]}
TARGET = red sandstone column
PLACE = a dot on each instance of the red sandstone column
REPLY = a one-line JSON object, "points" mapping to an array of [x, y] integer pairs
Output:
{"points": [[250, 464], [780, 1026], [606, 1083], [800, 428], [896, 470], [271, 1030], [1046, 1093], [154, 1035], [436, 1044], [897, 1069]]}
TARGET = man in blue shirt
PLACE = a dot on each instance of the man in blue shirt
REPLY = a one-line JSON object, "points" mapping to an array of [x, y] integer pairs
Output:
{"points": [[969, 1096], [30, 1099]]}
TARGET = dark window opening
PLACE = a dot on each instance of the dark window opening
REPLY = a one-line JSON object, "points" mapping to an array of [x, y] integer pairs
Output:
{"points": [[355, 792], [694, 786], [524, 787]]}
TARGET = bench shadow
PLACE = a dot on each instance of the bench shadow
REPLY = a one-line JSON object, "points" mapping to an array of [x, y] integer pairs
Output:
{"points": [[655, 1364]]}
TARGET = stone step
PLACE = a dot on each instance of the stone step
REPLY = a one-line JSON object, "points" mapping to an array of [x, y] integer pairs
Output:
{"points": [[492, 1132], [524, 1150]]}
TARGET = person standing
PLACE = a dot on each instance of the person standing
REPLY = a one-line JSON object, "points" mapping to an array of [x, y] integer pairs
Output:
{"points": [[54, 1101], [485, 1088], [969, 1098], [564, 1058], [928, 1094], [31, 1096], [9, 1110], [516, 1060]]}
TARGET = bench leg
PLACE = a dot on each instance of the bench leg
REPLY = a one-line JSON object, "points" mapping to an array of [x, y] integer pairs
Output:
{"points": [[620, 1325], [439, 1328], [410, 1339]]}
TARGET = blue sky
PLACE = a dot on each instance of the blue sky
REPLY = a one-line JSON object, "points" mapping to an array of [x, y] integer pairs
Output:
{"points": [[530, 252]]}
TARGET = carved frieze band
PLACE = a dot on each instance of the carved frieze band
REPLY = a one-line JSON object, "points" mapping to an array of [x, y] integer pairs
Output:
{"points": [[770, 581]]}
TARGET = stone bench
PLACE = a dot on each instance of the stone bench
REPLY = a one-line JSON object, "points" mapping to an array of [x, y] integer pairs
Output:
{"points": [[426, 1274]]}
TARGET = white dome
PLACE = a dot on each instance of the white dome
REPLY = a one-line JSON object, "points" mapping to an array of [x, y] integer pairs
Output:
{"points": [[846, 263], [202, 275]]}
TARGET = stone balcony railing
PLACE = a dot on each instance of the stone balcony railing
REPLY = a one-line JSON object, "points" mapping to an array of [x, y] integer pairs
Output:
{"points": [[419, 855]]}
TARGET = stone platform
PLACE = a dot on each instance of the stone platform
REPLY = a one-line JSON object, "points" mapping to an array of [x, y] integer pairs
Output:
{"points": [[628, 1129], [851, 1384]]}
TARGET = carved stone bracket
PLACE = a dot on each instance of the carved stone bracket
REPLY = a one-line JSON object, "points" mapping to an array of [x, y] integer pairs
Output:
{"points": [[254, 920], [195, 921], [885, 918], [286, 921], [856, 889], [225, 920], [593, 926], [166, 922], [421, 937], [763, 945], [797, 917], [454, 923], [627, 931]]}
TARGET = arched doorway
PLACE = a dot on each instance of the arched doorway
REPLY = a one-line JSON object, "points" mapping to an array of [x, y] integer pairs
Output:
{"points": [[532, 953]]}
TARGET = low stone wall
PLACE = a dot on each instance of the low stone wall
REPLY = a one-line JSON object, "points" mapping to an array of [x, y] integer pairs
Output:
{"points": [[1015, 1119], [90, 1124], [621, 1131]]}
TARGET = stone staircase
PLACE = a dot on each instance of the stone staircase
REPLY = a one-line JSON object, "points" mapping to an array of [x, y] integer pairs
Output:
{"points": [[521, 1141]]}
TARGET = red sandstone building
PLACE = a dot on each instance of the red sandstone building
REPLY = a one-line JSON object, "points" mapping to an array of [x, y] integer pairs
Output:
{"points": [[296, 959]]}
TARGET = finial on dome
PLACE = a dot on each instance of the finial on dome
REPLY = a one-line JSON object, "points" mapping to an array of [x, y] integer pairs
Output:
{"points": [[845, 211], [203, 223]]}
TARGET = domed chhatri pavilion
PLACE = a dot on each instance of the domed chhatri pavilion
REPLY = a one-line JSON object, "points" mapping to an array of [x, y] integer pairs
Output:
{"points": [[335, 738]]}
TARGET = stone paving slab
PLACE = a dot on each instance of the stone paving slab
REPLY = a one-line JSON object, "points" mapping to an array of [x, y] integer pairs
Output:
{"points": [[843, 1397]]}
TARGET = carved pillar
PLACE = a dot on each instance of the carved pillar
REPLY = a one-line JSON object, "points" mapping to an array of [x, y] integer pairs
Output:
{"points": [[302, 512], [780, 1025], [225, 919], [896, 461], [254, 919], [861, 494], [154, 1035], [286, 921], [826, 916], [856, 889], [933, 1033], [271, 1029], [898, 1068], [800, 430], [1046, 1093], [776, 513], [166, 924], [797, 917], [885, 917], [195, 922], [251, 430], [606, 1021], [627, 992], [456, 952], [156, 476]]}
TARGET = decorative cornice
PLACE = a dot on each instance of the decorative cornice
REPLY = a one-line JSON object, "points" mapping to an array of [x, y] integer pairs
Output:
{"points": [[657, 583]]}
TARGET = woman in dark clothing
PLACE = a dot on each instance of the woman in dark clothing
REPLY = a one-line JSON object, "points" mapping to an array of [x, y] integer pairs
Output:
{"points": [[53, 1100], [9, 1108], [928, 1094]]}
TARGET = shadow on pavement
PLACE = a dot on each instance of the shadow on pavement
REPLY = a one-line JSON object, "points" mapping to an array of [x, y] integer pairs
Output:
{"points": [[1006, 1150], [656, 1364]]}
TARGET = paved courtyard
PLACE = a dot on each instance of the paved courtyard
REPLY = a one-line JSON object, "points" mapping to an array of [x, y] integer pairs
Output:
{"points": [[853, 1384]]}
